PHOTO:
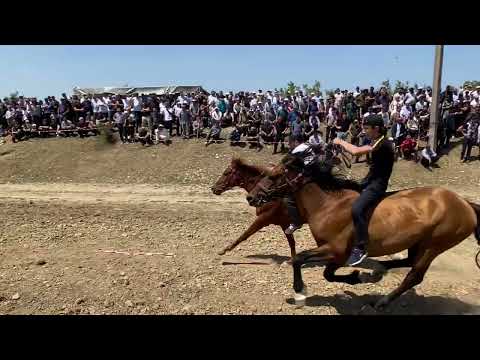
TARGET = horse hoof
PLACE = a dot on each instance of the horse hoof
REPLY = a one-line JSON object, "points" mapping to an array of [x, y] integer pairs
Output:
{"points": [[301, 297]]}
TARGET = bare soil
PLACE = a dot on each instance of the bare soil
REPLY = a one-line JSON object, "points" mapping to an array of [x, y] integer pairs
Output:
{"points": [[92, 229]]}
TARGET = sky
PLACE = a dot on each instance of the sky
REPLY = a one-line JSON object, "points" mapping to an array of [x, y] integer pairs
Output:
{"points": [[50, 70]]}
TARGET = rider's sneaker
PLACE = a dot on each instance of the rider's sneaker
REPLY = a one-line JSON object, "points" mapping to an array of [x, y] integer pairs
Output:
{"points": [[292, 228], [356, 257]]}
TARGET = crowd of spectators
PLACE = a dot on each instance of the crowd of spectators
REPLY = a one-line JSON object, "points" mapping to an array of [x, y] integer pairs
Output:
{"points": [[257, 118]]}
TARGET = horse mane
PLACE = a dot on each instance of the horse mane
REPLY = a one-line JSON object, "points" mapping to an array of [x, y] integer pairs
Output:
{"points": [[322, 174], [250, 169]]}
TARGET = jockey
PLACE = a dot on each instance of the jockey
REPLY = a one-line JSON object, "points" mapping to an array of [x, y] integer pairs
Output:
{"points": [[308, 153], [374, 185]]}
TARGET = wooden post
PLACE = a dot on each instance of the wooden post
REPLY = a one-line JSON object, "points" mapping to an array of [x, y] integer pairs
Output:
{"points": [[435, 106]]}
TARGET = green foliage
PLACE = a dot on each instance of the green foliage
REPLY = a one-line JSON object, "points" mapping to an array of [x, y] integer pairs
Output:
{"points": [[471, 85], [401, 85], [291, 88], [307, 90], [387, 85], [13, 96], [330, 93]]}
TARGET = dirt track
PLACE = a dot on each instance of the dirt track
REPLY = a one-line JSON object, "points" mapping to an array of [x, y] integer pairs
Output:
{"points": [[57, 241]]}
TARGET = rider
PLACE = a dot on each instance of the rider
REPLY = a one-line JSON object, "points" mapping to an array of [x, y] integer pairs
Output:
{"points": [[374, 185], [308, 153]]}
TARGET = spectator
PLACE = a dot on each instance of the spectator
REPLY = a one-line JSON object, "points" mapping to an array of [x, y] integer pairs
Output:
{"points": [[147, 115], [119, 119], [280, 130], [130, 124], [82, 127], [137, 110], [408, 148], [410, 100], [382, 101], [144, 135], [235, 136], [399, 132], [341, 126], [316, 138], [215, 129], [428, 157], [470, 136], [177, 111], [167, 119], [67, 127], [162, 135], [185, 121], [267, 133], [421, 104], [331, 121]]}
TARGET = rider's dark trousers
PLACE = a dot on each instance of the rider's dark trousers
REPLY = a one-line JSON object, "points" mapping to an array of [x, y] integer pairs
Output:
{"points": [[292, 210], [361, 211]]}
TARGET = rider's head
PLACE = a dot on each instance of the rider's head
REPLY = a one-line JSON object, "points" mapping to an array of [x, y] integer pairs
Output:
{"points": [[374, 127]]}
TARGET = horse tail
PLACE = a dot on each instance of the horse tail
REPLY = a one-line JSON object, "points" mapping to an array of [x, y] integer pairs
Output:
{"points": [[476, 208]]}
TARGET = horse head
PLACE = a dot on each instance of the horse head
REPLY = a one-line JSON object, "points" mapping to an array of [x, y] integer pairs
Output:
{"points": [[273, 185], [238, 173]]}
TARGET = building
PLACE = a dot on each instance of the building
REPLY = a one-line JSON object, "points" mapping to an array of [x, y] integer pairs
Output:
{"points": [[158, 90]]}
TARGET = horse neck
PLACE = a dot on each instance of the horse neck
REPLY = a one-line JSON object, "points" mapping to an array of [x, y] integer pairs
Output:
{"points": [[311, 198], [250, 178]]}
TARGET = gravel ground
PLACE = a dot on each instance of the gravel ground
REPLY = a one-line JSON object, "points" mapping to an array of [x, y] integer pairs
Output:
{"points": [[88, 229]]}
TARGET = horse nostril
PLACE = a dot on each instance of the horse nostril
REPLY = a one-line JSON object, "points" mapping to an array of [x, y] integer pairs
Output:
{"points": [[249, 198]]}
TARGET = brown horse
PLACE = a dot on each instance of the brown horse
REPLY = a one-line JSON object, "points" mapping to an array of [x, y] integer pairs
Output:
{"points": [[427, 221], [243, 175]]}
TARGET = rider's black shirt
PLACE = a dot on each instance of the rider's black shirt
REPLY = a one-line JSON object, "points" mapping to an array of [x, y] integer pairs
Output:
{"points": [[382, 165]]}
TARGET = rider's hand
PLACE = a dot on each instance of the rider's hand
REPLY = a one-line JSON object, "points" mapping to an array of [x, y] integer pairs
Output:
{"points": [[336, 141]]}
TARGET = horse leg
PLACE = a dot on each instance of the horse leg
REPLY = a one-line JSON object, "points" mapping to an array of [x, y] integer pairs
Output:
{"points": [[259, 223], [329, 275], [323, 253], [414, 277], [291, 244], [401, 263]]}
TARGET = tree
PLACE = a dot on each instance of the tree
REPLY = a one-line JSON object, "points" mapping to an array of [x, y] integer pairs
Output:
{"points": [[316, 87], [400, 85], [14, 96], [386, 85], [282, 91], [330, 93], [471, 85], [291, 88]]}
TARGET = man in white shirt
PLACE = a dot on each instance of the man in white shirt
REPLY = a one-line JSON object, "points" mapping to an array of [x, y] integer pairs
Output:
{"points": [[338, 99], [10, 116], [421, 104], [137, 110], [356, 92], [395, 103], [167, 118], [475, 102], [212, 99], [409, 98]]}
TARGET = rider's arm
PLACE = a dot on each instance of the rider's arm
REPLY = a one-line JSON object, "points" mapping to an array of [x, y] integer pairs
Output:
{"points": [[352, 149]]}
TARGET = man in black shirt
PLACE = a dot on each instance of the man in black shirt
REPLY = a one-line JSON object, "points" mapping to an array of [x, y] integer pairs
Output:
{"points": [[374, 185]]}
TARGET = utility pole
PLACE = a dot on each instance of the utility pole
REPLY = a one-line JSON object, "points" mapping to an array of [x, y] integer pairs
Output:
{"points": [[435, 106]]}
